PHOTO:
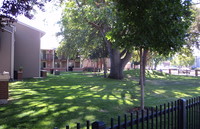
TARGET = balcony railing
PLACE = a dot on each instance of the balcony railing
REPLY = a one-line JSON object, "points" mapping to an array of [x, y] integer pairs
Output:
{"points": [[50, 57], [47, 57]]}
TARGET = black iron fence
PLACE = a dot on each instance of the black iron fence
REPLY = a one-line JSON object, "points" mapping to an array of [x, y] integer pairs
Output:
{"points": [[180, 114]]}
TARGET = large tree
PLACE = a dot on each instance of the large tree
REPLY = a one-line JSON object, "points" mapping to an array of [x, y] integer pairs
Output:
{"points": [[93, 18], [155, 25]]}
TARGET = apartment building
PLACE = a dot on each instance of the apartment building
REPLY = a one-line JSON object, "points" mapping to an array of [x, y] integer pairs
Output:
{"points": [[20, 48], [50, 60]]}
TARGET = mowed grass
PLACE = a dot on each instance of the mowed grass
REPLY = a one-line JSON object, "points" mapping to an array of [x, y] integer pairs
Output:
{"points": [[76, 97]]}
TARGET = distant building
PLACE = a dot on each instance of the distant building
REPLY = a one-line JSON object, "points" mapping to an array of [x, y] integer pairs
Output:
{"points": [[50, 60]]}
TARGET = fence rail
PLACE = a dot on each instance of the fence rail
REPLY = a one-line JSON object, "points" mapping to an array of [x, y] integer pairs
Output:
{"points": [[180, 114]]}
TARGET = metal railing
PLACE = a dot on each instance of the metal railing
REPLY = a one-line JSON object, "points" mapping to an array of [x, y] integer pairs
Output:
{"points": [[180, 114]]}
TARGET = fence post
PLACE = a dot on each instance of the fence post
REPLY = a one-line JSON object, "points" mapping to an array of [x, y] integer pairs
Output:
{"points": [[170, 71], [98, 125], [182, 114], [196, 73]]}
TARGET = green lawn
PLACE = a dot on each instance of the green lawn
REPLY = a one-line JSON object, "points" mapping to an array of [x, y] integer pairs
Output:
{"points": [[74, 97]]}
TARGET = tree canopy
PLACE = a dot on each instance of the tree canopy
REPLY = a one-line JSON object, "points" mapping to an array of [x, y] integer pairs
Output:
{"points": [[160, 25], [10, 9], [85, 25]]}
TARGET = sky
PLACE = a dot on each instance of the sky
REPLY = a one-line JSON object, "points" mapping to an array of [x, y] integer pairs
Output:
{"points": [[47, 22]]}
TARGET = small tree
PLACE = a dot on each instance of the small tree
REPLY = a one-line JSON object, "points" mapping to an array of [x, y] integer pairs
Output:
{"points": [[159, 26]]}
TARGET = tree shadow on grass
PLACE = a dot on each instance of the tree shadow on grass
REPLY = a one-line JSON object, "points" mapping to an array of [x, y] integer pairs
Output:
{"points": [[67, 99]]}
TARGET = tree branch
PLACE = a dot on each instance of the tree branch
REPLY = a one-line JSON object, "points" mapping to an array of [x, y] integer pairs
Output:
{"points": [[108, 44], [78, 3], [93, 24], [123, 52], [126, 58]]}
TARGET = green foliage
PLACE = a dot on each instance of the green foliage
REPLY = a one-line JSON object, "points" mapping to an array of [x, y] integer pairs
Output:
{"points": [[156, 25], [10, 9], [184, 58], [99, 52], [78, 34], [194, 30], [155, 58]]}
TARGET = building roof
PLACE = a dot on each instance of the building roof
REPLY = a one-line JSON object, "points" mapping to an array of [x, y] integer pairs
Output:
{"points": [[31, 27]]}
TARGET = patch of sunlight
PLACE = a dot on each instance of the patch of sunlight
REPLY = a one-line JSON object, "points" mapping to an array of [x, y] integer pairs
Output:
{"points": [[160, 77], [3, 108], [92, 108], [88, 101], [52, 107], [124, 84], [90, 117], [42, 105], [120, 101], [46, 97], [180, 94], [96, 96], [44, 123], [56, 87], [96, 88], [75, 87], [26, 113], [137, 88], [73, 108], [159, 91], [198, 88], [70, 97], [56, 114], [87, 95], [128, 96], [3, 126], [40, 112], [110, 97], [15, 83], [62, 112], [28, 91], [129, 102], [38, 104]]}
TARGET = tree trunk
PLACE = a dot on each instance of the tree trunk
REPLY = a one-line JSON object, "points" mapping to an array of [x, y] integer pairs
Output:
{"points": [[145, 52], [143, 61], [155, 65], [104, 68], [142, 78], [116, 70], [118, 63]]}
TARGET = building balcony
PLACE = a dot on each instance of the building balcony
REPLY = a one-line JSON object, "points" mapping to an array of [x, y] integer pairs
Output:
{"points": [[47, 57]]}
